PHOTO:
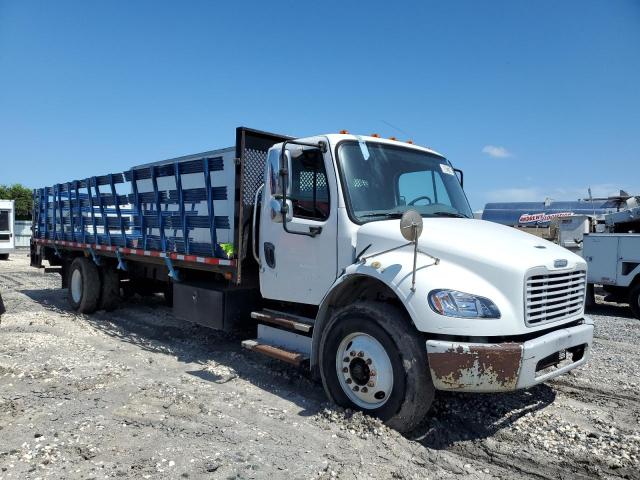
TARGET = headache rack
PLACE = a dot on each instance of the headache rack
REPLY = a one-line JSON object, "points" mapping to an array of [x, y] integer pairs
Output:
{"points": [[191, 211]]}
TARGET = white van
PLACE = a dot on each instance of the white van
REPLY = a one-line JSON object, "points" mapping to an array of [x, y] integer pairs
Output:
{"points": [[7, 237]]}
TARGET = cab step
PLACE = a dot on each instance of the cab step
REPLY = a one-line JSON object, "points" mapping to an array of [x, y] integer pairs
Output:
{"points": [[287, 321], [291, 357]]}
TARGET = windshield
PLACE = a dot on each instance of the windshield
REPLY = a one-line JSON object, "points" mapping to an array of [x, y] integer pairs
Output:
{"points": [[383, 181]]}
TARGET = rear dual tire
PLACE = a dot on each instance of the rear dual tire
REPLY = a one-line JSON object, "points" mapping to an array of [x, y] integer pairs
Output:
{"points": [[92, 288], [373, 360], [84, 285]]}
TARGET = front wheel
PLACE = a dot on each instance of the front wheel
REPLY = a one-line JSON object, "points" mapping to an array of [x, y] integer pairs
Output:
{"points": [[373, 360], [634, 300]]}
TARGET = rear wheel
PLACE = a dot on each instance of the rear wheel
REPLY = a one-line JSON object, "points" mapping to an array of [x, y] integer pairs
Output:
{"points": [[83, 285], [373, 360], [110, 288], [634, 300]]}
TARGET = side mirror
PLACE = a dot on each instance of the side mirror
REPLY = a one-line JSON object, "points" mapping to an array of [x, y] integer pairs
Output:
{"points": [[275, 210], [276, 171]]}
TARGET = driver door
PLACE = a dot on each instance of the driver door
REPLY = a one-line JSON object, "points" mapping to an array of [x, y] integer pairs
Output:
{"points": [[293, 267]]}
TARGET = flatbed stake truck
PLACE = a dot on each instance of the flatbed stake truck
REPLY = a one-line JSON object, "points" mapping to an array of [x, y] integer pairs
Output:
{"points": [[356, 256]]}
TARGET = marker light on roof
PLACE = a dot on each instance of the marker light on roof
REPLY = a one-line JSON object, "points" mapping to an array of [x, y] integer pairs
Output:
{"points": [[375, 135], [344, 132]]}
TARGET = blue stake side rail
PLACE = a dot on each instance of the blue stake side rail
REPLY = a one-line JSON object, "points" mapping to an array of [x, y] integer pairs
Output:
{"points": [[92, 216]]}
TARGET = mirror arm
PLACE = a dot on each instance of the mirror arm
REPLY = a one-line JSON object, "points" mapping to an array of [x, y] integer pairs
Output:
{"points": [[457, 170], [285, 173]]}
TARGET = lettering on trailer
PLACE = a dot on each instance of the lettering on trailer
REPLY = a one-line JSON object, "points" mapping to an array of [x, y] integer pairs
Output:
{"points": [[542, 217]]}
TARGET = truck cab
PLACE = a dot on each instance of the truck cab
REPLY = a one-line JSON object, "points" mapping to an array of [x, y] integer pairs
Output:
{"points": [[469, 306]]}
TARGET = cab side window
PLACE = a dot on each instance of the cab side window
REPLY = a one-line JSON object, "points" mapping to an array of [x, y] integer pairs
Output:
{"points": [[309, 190]]}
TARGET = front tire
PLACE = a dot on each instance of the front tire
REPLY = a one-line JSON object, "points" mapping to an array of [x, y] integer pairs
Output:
{"points": [[373, 360], [83, 285], [634, 300]]}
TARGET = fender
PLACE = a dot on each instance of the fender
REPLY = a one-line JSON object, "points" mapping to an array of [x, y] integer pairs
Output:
{"points": [[357, 280]]}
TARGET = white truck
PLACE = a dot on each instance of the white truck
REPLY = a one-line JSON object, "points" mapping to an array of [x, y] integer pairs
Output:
{"points": [[356, 256], [7, 237], [613, 256]]}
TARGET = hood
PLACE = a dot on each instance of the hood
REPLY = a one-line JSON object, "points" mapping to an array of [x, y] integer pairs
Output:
{"points": [[473, 243]]}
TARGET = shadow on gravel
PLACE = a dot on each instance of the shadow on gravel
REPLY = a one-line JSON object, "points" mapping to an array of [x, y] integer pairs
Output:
{"points": [[610, 309], [150, 325], [456, 417]]}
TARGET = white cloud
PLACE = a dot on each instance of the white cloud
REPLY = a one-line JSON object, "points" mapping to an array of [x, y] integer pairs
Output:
{"points": [[496, 152], [538, 194]]}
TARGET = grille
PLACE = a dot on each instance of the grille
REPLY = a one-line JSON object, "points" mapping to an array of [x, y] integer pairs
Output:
{"points": [[551, 297]]}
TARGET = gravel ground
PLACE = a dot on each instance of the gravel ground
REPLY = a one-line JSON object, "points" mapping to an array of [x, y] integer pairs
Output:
{"points": [[137, 394]]}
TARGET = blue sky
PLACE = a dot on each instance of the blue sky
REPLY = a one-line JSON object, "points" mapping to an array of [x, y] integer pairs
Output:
{"points": [[531, 99]]}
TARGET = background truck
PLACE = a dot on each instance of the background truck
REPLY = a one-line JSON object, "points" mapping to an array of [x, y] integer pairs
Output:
{"points": [[356, 256], [7, 237], [613, 256]]}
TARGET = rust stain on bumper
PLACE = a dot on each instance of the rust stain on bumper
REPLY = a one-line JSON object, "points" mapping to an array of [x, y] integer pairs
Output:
{"points": [[477, 367]]}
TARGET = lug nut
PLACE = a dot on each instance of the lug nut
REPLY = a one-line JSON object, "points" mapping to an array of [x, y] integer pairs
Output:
{"points": [[356, 388], [352, 353], [361, 353], [345, 369], [369, 362], [364, 390], [371, 384], [372, 373], [349, 380], [345, 359]]}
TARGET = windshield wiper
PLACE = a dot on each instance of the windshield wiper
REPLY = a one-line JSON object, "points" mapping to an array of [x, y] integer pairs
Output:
{"points": [[449, 214], [383, 214]]}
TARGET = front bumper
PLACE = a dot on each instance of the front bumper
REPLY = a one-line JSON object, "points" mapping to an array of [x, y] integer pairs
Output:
{"points": [[499, 367]]}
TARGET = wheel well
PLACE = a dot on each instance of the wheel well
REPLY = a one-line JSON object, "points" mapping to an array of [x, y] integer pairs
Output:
{"points": [[355, 288]]}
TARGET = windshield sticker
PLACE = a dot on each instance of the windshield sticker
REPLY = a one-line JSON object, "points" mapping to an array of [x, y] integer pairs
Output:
{"points": [[446, 169], [363, 148]]}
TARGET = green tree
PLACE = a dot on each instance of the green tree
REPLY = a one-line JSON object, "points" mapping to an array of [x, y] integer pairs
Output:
{"points": [[23, 197]]}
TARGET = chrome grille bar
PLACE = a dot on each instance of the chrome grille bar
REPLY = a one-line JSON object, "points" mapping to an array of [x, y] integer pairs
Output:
{"points": [[551, 297]]}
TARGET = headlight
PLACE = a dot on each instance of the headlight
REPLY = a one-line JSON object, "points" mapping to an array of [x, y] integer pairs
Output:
{"points": [[452, 303]]}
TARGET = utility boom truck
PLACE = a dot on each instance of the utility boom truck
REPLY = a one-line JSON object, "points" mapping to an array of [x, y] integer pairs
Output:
{"points": [[353, 255]]}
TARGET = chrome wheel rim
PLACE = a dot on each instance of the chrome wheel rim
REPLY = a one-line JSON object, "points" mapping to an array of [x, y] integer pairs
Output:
{"points": [[364, 370], [76, 286]]}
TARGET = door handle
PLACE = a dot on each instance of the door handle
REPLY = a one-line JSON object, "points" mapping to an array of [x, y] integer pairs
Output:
{"points": [[315, 231]]}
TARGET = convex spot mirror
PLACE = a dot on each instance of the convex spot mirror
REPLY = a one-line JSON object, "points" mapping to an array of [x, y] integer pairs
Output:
{"points": [[275, 209], [411, 225]]}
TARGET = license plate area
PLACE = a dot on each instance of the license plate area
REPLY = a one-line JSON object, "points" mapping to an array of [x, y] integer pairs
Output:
{"points": [[552, 360]]}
